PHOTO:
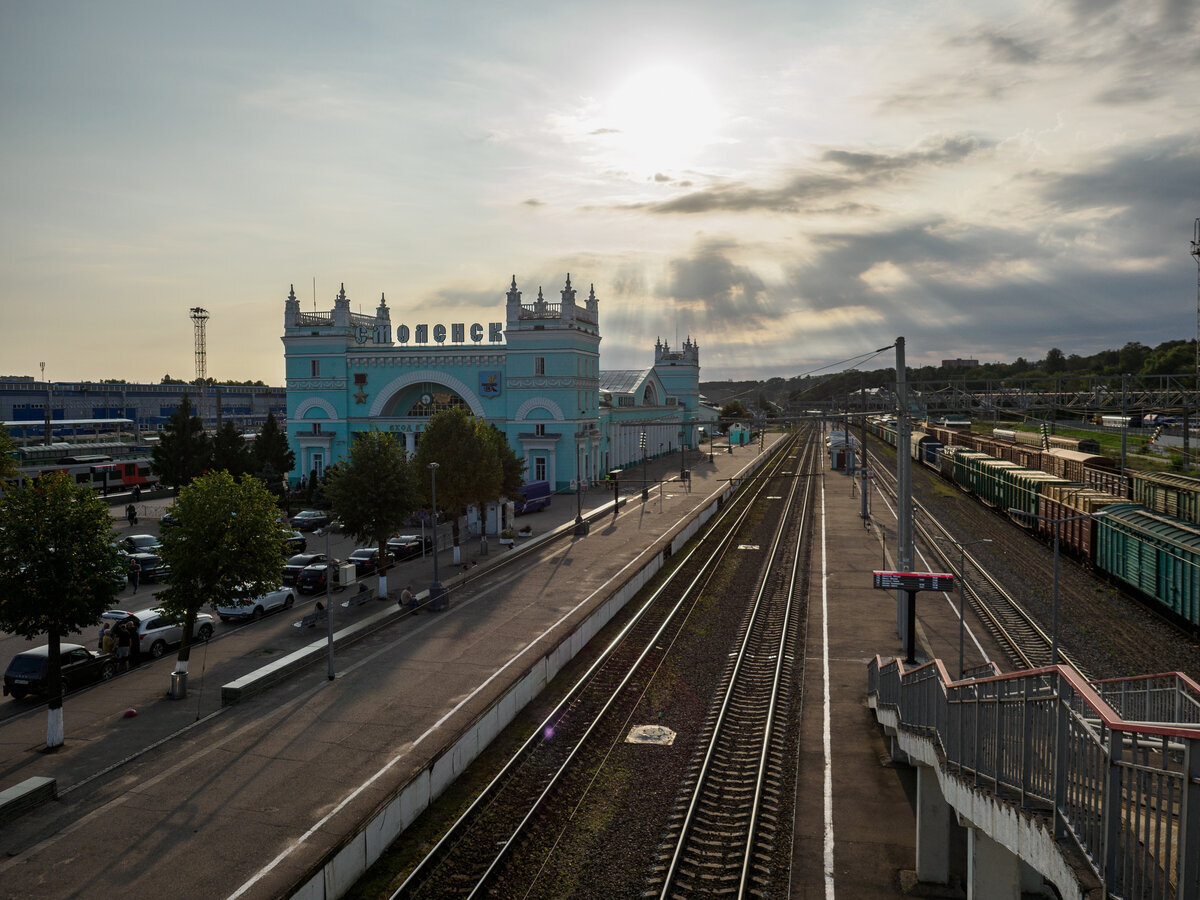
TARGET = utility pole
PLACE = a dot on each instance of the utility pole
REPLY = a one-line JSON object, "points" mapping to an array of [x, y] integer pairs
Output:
{"points": [[904, 533]]}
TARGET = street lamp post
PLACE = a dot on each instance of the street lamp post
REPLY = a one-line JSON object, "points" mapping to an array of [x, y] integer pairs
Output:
{"points": [[645, 487], [962, 591], [1057, 523], [435, 589]]}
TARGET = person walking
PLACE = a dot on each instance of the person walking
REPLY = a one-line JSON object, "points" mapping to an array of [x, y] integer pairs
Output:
{"points": [[131, 514], [135, 574]]}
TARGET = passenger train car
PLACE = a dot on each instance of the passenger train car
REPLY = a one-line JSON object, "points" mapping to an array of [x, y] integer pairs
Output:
{"points": [[1151, 545], [101, 472]]}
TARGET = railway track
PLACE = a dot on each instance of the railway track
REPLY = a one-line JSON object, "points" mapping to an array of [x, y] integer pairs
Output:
{"points": [[723, 838], [501, 843], [1026, 643]]}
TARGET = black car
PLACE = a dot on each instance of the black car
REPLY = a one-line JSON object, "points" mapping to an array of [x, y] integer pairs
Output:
{"points": [[366, 561], [311, 519], [28, 671], [408, 546], [140, 543], [294, 542], [312, 579], [297, 564], [153, 568]]}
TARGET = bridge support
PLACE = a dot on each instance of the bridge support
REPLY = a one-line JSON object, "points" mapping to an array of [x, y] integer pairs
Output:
{"points": [[933, 829], [993, 871]]}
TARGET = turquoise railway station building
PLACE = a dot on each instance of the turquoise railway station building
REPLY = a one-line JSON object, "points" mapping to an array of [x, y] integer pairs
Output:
{"points": [[536, 376]]}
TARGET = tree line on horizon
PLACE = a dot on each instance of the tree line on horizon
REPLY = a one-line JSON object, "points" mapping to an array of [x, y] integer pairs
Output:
{"points": [[1177, 357]]}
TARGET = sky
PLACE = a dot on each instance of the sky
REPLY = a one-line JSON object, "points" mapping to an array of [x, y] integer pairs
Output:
{"points": [[790, 184]]}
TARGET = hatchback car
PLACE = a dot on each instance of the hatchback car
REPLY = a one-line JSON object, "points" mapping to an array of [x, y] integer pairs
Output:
{"points": [[252, 607], [366, 561], [28, 672], [294, 566], [158, 630], [312, 579], [408, 546], [311, 519]]}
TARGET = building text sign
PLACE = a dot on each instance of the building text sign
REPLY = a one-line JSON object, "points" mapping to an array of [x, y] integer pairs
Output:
{"points": [[420, 334], [913, 581]]}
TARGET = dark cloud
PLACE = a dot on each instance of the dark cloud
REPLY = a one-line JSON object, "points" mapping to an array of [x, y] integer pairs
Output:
{"points": [[717, 290], [846, 172], [532, 201], [1001, 47], [660, 177], [1126, 94]]}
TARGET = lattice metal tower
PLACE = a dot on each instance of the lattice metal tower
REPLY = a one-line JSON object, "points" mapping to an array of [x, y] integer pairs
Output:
{"points": [[1196, 254], [199, 318]]}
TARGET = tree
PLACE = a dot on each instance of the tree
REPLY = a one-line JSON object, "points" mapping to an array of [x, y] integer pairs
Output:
{"points": [[451, 440], [271, 448], [1055, 361], [230, 451], [512, 467], [59, 569], [734, 409], [183, 450], [227, 546], [373, 491], [8, 458]]}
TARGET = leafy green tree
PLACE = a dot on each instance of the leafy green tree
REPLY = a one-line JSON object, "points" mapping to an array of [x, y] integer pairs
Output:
{"points": [[183, 450], [230, 451], [451, 440], [59, 569], [373, 491], [734, 409], [512, 467], [228, 545], [8, 457], [1055, 361], [271, 448]]}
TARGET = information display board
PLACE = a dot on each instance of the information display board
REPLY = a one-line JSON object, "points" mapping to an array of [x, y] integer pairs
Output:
{"points": [[913, 581]]}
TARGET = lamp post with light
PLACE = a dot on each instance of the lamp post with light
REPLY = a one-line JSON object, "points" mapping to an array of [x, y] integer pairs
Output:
{"points": [[1057, 523], [435, 590], [962, 591]]}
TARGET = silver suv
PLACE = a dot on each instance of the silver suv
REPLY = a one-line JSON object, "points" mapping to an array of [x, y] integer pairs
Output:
{"points": [[157, 629]]}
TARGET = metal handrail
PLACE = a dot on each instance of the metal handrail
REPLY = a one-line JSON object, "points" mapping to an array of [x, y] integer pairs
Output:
{"points": [[1127, 792]]}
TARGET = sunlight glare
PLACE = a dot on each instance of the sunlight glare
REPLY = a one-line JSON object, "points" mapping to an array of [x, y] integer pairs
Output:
{"points": [[663, 116]]}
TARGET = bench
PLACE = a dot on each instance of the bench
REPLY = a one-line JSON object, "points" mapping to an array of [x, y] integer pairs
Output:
{"points": [[359, 598], [30, 793], [313, 619]]}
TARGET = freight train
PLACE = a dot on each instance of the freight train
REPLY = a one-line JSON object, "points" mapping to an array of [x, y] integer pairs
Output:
{"points": [[1151, 544]]}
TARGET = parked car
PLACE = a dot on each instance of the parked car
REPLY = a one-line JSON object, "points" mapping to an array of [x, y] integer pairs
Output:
{"points": [[297, 564], [158, 629], [29, 669], [168, 520], [153, 568], [294, 543], [140, 543], [254, 607], [366, 561], [311, 519], [408, 546], [312, 579]]}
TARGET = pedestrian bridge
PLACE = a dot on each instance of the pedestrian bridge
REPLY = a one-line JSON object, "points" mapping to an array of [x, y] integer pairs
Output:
{"points": [[1092, 787]]}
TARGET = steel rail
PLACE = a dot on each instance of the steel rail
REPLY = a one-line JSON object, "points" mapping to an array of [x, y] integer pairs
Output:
{"points": [[758, 614], [729, 518]]}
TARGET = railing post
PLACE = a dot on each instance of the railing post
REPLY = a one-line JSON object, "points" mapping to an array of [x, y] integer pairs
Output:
{"points": [[1111, 813], [1060, 755], [1026, 741], [1188, 847]]}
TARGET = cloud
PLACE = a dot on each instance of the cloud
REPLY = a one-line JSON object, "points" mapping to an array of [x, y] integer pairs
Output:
{"points": [[718, 291], [1001, 47], [532, 201], [844, 172]]}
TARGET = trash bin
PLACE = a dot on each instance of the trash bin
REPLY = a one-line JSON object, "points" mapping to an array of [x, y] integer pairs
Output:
{"points": [[178, 686]]}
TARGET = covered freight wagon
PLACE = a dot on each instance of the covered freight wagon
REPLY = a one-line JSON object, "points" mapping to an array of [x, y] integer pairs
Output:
{"points": [[1166, 492], [1155, 554], [1072, 464], [1071, 510]]}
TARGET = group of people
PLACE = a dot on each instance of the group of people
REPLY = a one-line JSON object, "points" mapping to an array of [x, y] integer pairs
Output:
{"points": [[122, 641]]}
